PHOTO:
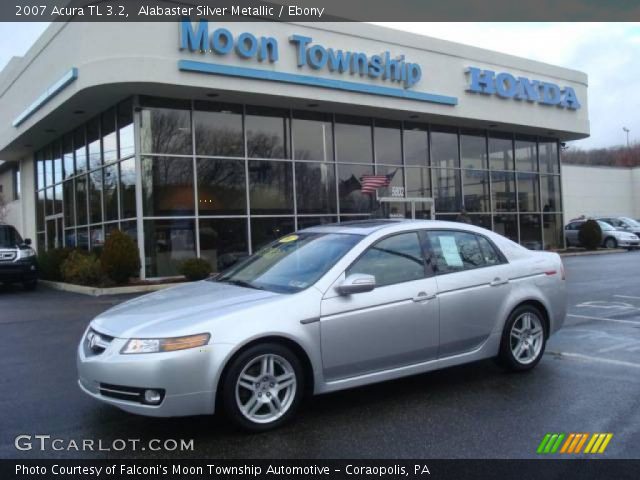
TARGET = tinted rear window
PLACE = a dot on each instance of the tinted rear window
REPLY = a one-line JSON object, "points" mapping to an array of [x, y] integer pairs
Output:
{"points": [[9, 237]]}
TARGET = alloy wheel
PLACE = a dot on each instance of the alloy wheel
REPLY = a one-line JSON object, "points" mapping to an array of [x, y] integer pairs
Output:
{"points": [[526, 338]]}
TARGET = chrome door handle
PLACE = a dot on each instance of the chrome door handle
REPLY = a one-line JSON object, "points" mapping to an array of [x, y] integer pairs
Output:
{"points": [[423, 297], [498, 281]]}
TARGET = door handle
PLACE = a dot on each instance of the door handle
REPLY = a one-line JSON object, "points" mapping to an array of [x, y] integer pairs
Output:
{"points": [[423, 297], [498, 281]]}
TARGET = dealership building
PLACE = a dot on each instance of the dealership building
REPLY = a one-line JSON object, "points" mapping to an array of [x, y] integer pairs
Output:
{"points": [[211, 139]]}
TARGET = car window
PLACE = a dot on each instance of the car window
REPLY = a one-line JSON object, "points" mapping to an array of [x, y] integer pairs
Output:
{"points": [[9, 237], [491, 256], [392, 260], [605, 226], [456, 251]]}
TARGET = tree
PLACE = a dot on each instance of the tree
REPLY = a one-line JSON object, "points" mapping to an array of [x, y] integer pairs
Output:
{"points": [[590, 235]]}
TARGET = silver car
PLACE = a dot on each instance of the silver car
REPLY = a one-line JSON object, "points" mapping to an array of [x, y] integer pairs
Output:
{"points": [[325, 309], [612, 237]]}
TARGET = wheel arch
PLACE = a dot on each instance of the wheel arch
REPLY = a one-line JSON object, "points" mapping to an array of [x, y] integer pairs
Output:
{"points": [[294, 346]]}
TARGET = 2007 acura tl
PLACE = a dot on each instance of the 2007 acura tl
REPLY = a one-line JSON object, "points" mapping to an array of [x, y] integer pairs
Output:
{"points": [[324, 309]]}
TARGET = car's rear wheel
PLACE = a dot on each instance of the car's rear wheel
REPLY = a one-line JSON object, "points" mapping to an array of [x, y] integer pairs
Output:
{"points": [[610, 243], [263, 387], [523, 339]]}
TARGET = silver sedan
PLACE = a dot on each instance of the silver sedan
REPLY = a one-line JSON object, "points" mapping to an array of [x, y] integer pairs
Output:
{"points": [[325, 309]]}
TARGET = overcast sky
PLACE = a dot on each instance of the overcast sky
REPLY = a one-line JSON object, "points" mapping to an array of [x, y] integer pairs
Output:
{"points": [[608, 52]]}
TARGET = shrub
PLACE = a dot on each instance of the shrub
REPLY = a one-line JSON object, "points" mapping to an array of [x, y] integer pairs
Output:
{"points": [[119, 257], [195, 269], [590, 235], [82, 268], [50, 262]]}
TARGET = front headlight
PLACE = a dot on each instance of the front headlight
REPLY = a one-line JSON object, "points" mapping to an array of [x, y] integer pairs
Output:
{"points": [[26, 253], [154, 345]]}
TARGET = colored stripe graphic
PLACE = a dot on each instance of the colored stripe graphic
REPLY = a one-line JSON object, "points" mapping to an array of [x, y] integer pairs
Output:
{"points": [[572, 443]]}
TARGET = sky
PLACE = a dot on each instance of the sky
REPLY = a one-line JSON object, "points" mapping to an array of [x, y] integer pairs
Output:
{"points": [[608, 52]]}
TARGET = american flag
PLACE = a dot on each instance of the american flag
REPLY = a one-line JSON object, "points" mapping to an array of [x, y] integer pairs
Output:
{"points": [[370, 183]]}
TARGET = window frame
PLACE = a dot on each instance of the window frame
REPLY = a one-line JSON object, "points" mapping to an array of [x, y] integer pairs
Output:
{"points": [[428, 272]]}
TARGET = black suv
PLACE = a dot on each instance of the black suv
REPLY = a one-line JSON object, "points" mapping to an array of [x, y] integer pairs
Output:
{"points": [[18, 263]]}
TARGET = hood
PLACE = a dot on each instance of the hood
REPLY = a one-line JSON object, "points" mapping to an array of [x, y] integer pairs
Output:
{"points": [[174, 309]]}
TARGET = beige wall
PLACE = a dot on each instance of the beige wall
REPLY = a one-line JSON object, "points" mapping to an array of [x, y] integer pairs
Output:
{"points": [[600, 191]]}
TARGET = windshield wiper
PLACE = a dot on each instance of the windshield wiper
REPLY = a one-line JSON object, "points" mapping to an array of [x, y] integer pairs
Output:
{"points": [[242, 283]]}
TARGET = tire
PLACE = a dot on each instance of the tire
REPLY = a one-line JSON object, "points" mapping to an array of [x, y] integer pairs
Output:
{"points": [[610, 242], [30, 285], [270, 402], [514, 354]]}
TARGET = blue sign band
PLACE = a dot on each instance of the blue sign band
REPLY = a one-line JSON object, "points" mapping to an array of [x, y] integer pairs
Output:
{"points": [[48, 94], [255, 73]]}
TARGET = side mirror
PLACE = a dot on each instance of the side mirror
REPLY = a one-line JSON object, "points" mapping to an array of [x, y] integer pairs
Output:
{"points": [[27, 241], [357, 283]]}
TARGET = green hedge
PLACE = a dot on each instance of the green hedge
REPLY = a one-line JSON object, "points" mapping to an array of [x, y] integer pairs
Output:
{"points": [[195, 269]]}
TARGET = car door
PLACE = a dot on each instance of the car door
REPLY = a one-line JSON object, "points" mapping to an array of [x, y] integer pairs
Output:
{"points": [[571, 233], [473, 283], [393, 325]]}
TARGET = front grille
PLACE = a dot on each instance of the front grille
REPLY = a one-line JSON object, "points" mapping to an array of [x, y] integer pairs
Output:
{"points": [[130, 394], [7, 255], [95, 342]]}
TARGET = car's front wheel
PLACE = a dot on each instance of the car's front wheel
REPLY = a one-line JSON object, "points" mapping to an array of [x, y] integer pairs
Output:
{"points": [[263, 387], [523, 339], [610, 243]]}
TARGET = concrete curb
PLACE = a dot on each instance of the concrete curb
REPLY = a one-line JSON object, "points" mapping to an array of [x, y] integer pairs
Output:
{"points": [[593, 252], [98, 291]]}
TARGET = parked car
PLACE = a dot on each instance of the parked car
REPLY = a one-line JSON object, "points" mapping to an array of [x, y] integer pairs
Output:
{"points": [[623, 223], [18, 263], [327, 308], [611, 236]]}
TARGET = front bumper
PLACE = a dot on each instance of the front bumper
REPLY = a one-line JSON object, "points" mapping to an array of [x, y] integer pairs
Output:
{"points": [[187, 378], [628, 243], [19, 271]]}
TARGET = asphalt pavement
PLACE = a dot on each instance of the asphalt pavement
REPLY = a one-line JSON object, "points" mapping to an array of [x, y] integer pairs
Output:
{"points": [[588, 381]]}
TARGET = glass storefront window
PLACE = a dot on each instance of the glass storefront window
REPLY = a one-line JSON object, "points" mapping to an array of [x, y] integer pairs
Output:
{"points": [[483, 221], [131, 229], [48, 167], [475, 184], [80, 146], [503, 191], [167, 186], [267, 132], [56, 154], [82, 238], [109, 136], [418, 182], [264, 230], [166, 130], [49, 209], [218, 129], [444, 147], [95, 196], [526, 154], [40, 175], [69, 204], [447, 192], [550, 193], [500, 151], [306, 222], [168, 243], [312, 136], [506, 225], [223, 241], [41, 201], [528, 192], [530, 232], [549, 160], [67, 156], [111, 193], [126, 135], [352, 200], [57, 195], [415, 139], [315, 188], [553, 232], [70, 238], [81, 201], [221, 187], [353, 139], [128, 188], [93, 143], [473, 149], [388, 142], [96, 237], [270, 187]]}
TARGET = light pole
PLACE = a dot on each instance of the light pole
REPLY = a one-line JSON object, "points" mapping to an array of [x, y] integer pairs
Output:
{"points": [[626, 130]]}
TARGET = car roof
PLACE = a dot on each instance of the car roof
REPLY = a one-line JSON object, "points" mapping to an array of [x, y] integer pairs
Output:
{"points": [[367, 227]]}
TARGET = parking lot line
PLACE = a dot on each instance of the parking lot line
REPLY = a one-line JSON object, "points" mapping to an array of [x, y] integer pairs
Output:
{"points": [[603, 319], [597, 359], [627, 296]]}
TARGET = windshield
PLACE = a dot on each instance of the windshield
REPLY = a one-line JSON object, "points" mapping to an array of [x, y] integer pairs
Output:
{"points": [[9, 237], [291, 263], [605, 226], [630, 222]]}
